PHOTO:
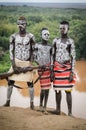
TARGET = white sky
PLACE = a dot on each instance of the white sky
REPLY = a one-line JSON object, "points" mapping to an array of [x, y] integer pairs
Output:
{"points": [[49, 1]]}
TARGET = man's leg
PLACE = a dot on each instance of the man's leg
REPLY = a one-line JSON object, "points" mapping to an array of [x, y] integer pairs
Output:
{"points": [[31, 92], [69, 102], [9, 92], [41, 99], [45, 100], [58, 102]]}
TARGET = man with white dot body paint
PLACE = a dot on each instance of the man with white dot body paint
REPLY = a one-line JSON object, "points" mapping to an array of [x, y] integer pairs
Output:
{"points": [[64, 62], [21, 53]]}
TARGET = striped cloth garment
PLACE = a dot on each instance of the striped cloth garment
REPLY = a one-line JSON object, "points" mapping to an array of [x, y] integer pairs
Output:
{"points": [[45, 82], [62, 72]]}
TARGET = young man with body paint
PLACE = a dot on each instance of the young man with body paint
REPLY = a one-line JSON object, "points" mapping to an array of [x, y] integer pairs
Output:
{"points": [[21, 53], [64, 61], [43, 58]]}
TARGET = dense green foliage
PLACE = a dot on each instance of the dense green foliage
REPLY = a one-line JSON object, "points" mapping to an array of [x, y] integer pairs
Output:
{"points": [[38, 18]]}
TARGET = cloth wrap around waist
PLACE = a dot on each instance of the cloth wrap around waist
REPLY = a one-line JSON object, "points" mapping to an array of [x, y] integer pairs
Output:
{"points": [[45, 82], [62, 73], [27, 77]]}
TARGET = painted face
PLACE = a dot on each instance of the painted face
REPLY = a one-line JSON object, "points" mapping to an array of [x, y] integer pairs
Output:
{"points": [[45, 35], [63, 28], [21, 24]]}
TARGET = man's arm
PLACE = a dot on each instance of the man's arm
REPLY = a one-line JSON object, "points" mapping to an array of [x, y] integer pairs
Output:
{"points": [[32, 46], [72, 56], [53, 54], [12, 54], [12, 50]]}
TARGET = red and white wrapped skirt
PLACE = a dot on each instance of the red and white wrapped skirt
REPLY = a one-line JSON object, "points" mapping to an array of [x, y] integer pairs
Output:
{"points": [[62, 73], [45, 82]]}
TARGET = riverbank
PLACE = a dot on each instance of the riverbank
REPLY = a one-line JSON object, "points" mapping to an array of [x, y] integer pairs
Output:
{"points": [[13, 118]]}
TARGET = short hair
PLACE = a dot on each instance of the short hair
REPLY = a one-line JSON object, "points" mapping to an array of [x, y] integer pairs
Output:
{"points": [[44, 29], [22, 18], [65, 22]]}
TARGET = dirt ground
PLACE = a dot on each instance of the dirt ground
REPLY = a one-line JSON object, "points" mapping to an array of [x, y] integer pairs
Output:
{"points": [[13, 118]]}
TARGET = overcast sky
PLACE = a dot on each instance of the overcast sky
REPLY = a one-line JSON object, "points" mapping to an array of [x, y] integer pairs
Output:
{"points": [[49, 1]]}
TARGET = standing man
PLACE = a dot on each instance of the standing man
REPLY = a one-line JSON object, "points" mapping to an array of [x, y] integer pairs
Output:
{"points": [[42, 57], [21, 53], [64, 61]]}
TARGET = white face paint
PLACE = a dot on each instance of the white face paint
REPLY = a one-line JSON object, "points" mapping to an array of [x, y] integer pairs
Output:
{"points": [[64, 28], [22, 24], [45, 35]]}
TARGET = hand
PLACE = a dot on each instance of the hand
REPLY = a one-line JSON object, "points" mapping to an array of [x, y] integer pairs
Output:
{"points": [[71, 77], [42, 67], [17, 70], [52, 76], [51, 67]]}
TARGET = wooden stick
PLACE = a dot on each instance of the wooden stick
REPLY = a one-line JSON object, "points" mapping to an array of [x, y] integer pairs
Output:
{"points": [[7, 74]]}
